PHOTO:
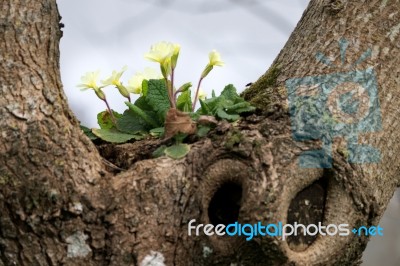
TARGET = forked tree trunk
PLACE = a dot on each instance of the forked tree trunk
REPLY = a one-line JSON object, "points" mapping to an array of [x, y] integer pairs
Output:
{"points": [[61, 204]]}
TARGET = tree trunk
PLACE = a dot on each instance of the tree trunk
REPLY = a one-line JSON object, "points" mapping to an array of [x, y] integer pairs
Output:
{"points": [[62, 204]]}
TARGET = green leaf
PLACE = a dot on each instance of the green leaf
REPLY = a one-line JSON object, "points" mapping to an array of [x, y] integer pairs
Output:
{"points": [[148, 119], [114, 136], [229, 92], [157, 98], [245, 109], [185, 87], [209, 106], [184, 101], [234, 107], [224, 115], [131, 122], [239, 108], [177, 151], [160, 151], [205, 110], [145, 87], [227, 106], [180, 137], [142, 104], [224, 103], [157, 132], [202, 131], [88, 132], [105, 121], [194, 116]]}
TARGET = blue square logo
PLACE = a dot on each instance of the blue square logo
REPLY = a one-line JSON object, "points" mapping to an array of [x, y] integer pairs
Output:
{"points": [[335, 105]]}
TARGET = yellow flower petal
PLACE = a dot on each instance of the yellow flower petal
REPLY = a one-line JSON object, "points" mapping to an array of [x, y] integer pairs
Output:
{"points": [[202, 94], [89, 80], [160, 51], [135, 83], [215, 58], [114, 79]]}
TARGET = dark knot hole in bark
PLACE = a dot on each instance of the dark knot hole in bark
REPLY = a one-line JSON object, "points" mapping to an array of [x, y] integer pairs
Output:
{"points": [[307, 208], [225, 204]]}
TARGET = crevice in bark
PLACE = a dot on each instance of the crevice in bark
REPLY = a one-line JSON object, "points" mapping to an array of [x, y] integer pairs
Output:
{"points": [[307, 208], [54, 185], [225, 204]]}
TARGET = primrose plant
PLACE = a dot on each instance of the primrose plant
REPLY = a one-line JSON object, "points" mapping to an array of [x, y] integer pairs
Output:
{"points": [[161, 109]]}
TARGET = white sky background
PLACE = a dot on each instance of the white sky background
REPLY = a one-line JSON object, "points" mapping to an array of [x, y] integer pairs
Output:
{"points": [[109, 34], [105, 35]]}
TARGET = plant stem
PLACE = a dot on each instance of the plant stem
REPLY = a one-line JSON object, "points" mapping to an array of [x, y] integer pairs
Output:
{"points": [[111, 113], [197, 94], [173, 95], [170, 97], [176, 93]]}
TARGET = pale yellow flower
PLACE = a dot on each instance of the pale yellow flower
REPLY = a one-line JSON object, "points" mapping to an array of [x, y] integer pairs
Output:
{"points": [[160, 51], [174, 58], [114, 79], [202, 95], [135, 83], [215, 58], [89, 81], [166, 54], [177, 48]]}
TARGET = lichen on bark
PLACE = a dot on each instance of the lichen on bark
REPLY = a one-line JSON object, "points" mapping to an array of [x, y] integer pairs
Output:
{"points": [[57, 193]]}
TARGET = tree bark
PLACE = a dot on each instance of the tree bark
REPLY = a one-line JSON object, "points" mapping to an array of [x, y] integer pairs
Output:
{"points": [[62, 204]]}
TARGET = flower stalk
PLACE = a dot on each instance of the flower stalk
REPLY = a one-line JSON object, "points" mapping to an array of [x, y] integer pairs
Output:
{"points": [[214, 60], [197, 93], [171, 90], [89, 81], [166, 55], [110, 112]]}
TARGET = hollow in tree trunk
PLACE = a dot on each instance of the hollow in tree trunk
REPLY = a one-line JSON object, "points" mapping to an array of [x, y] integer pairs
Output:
{"points": [[62, 204]]}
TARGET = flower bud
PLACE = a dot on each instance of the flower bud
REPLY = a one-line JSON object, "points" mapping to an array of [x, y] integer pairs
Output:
{"points": [[100, 94]]}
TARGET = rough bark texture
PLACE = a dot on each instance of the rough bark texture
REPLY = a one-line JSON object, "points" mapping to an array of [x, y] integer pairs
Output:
{"points": [[60, 204]]}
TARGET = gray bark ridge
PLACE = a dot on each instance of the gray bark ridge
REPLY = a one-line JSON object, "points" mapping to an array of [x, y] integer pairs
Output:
{"points": [[61, 205]]}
